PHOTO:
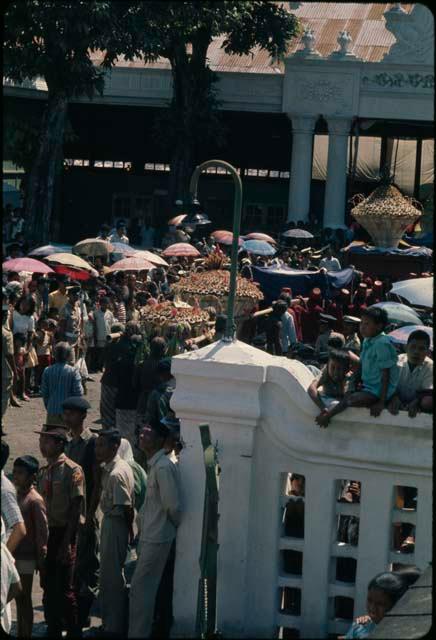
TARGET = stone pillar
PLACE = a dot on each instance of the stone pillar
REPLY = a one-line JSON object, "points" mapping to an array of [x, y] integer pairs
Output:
{"points": [[301, 167], [336, 185]]}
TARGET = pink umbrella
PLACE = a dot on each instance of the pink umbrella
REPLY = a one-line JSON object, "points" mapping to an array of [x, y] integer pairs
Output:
{"points": [[225, 237], [75, 274], [260, 236], [132, 263], [181, 249], [26, 264], [174, 222], [152, 257]]}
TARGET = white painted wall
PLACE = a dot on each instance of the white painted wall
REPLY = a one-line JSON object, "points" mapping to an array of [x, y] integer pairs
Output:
{"points": [[258, 410]]}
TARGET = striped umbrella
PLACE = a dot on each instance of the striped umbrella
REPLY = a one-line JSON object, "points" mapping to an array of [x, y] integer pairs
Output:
{"points": [[92, 247], [181, 249], [260, 236], [123, 249], [48, 249], [133, 263], [259, 247], [225, 237], [152, 257], [175, 222]]}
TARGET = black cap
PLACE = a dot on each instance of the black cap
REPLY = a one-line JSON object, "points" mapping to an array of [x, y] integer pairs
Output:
{"points": [[54, 431], [110, 433], [74, 290], [29, 462], [325, 317], [76, 402], [351, 319]]}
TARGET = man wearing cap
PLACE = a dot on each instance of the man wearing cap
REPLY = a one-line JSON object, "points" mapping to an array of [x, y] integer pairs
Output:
{"points": [[9, 371], [326, 332], [71, 321], [81, 449], [352, 340], [62, 485], [116, 503], [59, 298], [160, 517]]}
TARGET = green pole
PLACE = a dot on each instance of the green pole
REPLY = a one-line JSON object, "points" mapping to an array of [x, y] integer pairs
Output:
{"points": [[229, 335]]}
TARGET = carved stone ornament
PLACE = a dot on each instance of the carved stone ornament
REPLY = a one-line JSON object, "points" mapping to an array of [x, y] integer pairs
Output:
{"points": [[414, 35], [410, 81], [345, 42], [308, 39]]}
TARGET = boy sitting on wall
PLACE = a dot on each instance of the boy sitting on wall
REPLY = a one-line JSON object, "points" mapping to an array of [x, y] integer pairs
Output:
{"points": [[378, 373], [415, 385], [329, 388]]}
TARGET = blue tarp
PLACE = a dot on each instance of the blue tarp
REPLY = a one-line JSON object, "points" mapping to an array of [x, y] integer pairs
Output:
{"points": [[415, 252], [424, 241], [273, 279]]}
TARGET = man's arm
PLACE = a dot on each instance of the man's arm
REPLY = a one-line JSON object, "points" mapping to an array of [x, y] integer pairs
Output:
{"points": [[17, 534], [129, 515], [71, 529], [77, 388], [313, 394]]}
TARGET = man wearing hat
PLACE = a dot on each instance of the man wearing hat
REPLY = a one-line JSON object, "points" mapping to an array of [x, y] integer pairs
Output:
{"points": [[116, 503], [326, 333], [352, 340], [160, 517], [62, 485], [81, 449], [9, 371], [31, 552]]}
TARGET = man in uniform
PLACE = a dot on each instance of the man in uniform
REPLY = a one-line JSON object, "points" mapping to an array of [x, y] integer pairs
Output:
{"points": [[116, 503], [81, 449], [160, 517], [62, 485], [70, 320]]}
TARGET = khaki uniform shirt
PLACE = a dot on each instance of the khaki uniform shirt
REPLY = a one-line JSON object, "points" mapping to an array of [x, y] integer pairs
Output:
{"points": [[117, 487], [57, 299], [352, 343], [66, 483], [7, 350], [162, 509], [413, 380]]}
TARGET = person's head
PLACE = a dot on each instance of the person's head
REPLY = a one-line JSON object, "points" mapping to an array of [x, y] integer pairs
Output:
{"points": [[418, 347], [24, 472], [163, 370], [336, 341], [104, 303], [279, 307], [42, 323], [121, 228], [107, 444], [338, 364], [25, 305], [75, 409], [104, 230], [297, 484], [4, 455], [73, 294], [62, 283], [373, 321], [62, 352], [384, 591], [32, 286], [131, 281], [158, 346], [328, 252], [152, 436], [132, 329], [286, 298], [351, 325], [52, 442]]}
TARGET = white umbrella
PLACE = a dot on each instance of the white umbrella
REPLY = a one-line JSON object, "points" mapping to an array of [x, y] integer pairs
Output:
{"points": [[418, 292]]}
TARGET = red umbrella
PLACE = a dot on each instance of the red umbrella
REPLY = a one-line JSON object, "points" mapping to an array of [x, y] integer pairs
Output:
{"points": [[133, 263], [260, 236], [26, 264], [225, 237], [75, 274], [177, 220], [181, 249]]}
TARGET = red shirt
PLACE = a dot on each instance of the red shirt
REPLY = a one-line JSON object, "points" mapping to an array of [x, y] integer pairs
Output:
{"points": [[34, 544]]}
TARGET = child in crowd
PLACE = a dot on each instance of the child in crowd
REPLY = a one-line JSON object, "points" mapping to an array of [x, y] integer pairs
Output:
{"points": [[330, 387], [31, 552], [44, 342], [415, 385], [352, 340], [384, 591], [20, 360], [378, 373]]}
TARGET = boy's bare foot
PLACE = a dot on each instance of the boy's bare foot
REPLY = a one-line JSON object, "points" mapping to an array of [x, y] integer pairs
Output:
{"points": [[14, 402]]}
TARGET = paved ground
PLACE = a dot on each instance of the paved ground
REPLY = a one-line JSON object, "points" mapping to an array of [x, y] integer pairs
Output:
{"points": [[19, 425]]}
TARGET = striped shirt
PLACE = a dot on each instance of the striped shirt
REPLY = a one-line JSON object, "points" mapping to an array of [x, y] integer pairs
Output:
{"points": [[59, 381]]}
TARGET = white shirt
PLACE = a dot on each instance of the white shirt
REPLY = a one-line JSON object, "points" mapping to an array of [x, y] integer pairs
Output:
{"points": [[9, 577], [331, 264], [103, 322], [114, 237], [412, 380], [22, 323]]}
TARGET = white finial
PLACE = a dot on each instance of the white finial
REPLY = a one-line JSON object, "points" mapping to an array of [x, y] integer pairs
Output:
{"points": [[308, 39], [344, 41]]}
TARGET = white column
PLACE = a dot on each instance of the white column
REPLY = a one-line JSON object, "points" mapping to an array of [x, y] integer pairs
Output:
{"points": [[301, 167], [335, 192]]}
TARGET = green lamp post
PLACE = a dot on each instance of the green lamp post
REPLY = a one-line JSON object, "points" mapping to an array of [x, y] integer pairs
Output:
{"points": [[229, 335]]}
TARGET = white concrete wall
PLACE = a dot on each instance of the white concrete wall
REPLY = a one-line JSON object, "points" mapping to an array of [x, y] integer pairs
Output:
{"points": [[258, 410]]}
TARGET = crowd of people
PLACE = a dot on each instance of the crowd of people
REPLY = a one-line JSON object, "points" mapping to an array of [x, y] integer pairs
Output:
{"points": [[103, 491]]}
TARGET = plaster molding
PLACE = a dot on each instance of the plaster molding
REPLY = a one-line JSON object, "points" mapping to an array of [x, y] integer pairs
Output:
{"points": [[303, 124], [339, 126], [313, 91], [414, 35]]}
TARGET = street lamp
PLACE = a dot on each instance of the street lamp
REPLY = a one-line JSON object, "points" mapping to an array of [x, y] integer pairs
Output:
{"points": [[230, 325]]}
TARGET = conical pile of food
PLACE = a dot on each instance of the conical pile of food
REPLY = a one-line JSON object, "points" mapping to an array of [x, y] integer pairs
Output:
{"points": [[210, 288], [161, 319], [385, 214]]}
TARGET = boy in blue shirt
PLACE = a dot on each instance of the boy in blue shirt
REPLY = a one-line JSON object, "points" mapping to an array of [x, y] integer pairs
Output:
{"points": [[378, 373]]}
